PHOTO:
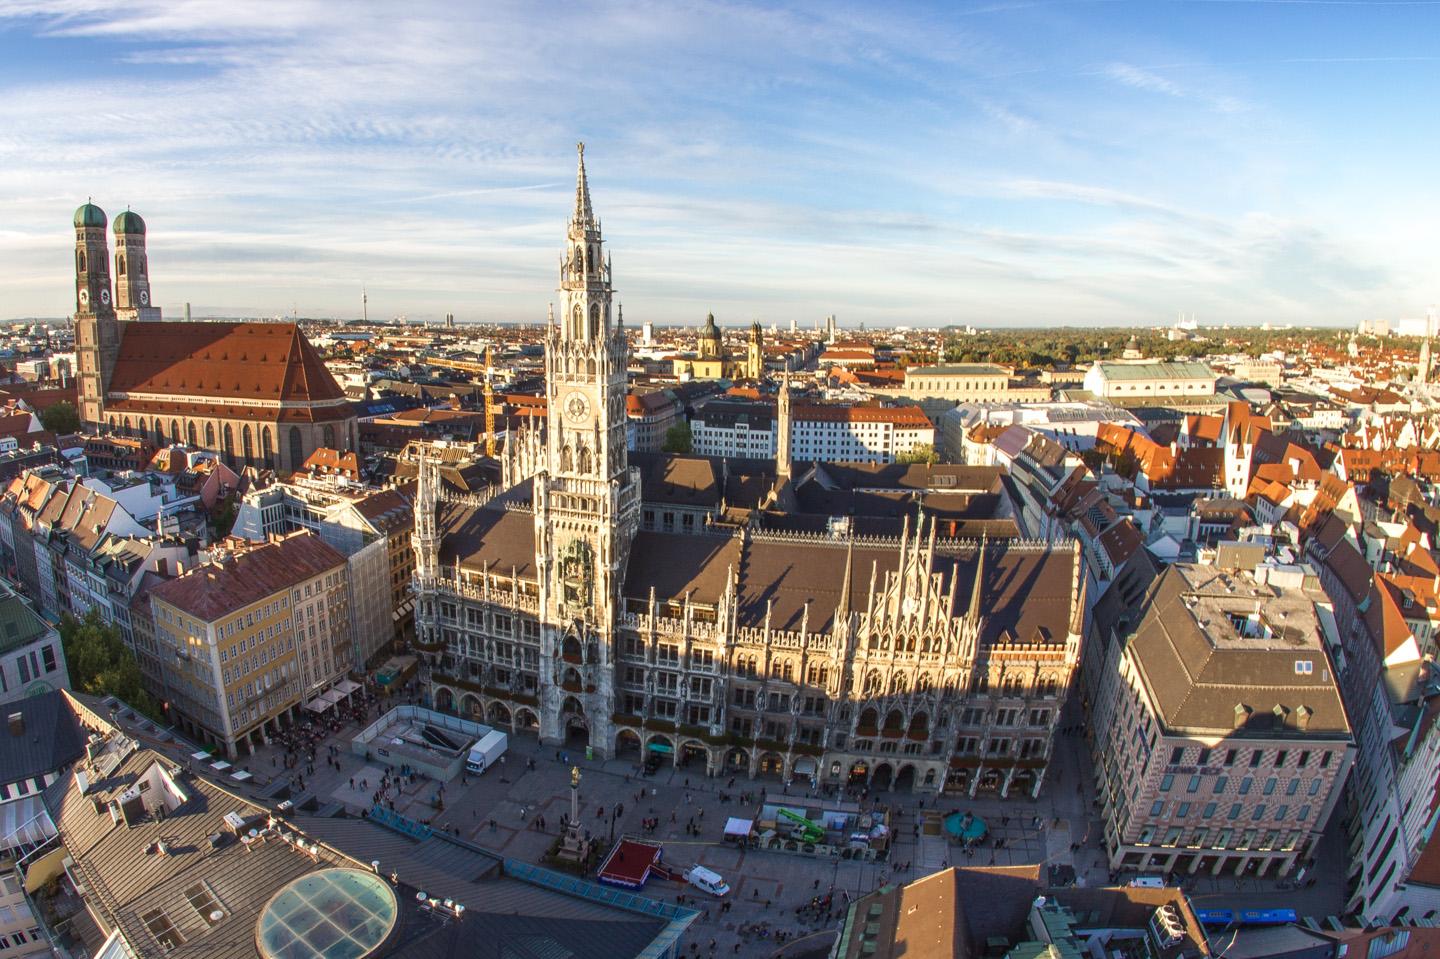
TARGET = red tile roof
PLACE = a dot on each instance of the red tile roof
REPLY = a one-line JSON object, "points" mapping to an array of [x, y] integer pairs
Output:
{"points": [[211, 591], [220, 361]]}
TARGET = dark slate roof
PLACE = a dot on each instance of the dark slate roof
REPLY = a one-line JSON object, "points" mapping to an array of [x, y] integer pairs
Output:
{"points": [[678, 480], [1198, 670], [49, 738], [481, 536], [1027, 590]]}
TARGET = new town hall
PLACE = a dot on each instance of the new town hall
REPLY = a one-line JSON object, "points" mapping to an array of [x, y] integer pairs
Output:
{"points": [[891, 652]]}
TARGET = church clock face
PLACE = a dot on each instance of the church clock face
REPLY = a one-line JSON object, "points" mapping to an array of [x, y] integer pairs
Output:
{"points": [[576, 407], [144, 297], [104, 296], [84, 296]]}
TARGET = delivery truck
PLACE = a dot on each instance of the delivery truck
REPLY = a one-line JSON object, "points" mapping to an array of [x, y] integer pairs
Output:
{"points": [[486, 752]]}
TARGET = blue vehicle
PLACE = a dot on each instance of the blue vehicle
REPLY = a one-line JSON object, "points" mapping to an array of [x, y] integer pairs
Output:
{"points": [[1219, 918]]}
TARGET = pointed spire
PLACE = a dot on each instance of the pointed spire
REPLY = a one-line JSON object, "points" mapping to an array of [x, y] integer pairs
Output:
{"points": [[584, 216], [977, 589], [845, 586]]}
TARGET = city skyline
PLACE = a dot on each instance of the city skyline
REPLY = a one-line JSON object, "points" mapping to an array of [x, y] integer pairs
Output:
{"points": [[990, 165]]}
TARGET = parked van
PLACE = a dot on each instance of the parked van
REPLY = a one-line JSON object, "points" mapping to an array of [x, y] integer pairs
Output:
{"points": [[707, 881]]}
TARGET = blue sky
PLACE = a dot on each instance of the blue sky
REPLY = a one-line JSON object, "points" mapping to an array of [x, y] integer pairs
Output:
{"points": [[989, 162]]}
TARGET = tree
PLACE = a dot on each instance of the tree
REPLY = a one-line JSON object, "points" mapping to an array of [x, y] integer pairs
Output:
{"points": [[100, 664], [679, 439], [921, 453], [61, 418]]}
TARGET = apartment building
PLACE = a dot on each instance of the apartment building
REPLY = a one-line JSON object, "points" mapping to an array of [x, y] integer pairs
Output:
{"points": [[32, 660], [249, 637], [818, 434], [1220, 741]]}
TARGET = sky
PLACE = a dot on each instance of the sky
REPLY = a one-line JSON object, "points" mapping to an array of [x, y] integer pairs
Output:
{"points": [[983, 162]]}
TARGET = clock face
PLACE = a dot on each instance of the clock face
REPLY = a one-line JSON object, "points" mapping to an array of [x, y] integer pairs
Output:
{"points": [[144, 297], [576, 406], [84, 296], [104, 296]]}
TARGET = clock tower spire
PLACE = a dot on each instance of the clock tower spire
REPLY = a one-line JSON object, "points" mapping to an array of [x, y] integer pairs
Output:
{"points": [[97, 333], [587, 500]]}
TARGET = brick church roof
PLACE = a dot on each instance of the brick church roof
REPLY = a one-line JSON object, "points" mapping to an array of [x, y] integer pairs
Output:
{"points": [[222, 361]]}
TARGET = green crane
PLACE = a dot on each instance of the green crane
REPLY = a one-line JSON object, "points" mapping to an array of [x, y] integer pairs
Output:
{"points": [[809, 831]]}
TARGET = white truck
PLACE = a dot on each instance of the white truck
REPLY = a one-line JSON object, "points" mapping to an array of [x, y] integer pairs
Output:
{"points": [[487, 751], [707, 881]]}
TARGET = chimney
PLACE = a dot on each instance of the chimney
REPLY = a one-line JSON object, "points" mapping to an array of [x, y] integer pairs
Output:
{"points": [[162, 566], [17, 724]]}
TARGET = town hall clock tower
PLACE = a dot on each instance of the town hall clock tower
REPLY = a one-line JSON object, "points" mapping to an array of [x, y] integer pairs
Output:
{"points": [[587, 500]]}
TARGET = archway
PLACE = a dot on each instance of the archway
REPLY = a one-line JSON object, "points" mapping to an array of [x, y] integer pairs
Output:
{"points": [[627, 743], [905, 779], [694, 751], [772, 766], [444, 700], [883, 776], [737, 760], [894, 722], [471, 707], [859, 774], [526, 720], [957, 781], [498, 714], [806, 767], [577, 728]]}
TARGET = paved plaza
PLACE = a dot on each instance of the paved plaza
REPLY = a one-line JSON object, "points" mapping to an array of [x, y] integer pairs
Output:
{"points": [[515, 810]]}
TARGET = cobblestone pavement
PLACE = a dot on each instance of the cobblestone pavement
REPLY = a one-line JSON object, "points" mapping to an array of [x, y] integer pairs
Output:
{"points": [[503, 808]]}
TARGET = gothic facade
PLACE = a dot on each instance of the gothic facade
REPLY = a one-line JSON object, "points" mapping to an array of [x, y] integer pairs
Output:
{"points": [[910, 661]]}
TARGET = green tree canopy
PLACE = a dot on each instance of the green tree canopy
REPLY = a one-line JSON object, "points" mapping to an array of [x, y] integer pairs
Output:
{"points": [[61, 418], [100, 664], [922, 453], [679, 439]]}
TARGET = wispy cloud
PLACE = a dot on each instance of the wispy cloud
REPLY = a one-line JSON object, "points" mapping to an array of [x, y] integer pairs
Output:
{"points": [[906, 165]]}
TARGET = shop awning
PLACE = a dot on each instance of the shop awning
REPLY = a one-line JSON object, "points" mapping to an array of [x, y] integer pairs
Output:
{"points": [[200, 757], [735, 826], [319, 704], [665, 748], [347, 687]]}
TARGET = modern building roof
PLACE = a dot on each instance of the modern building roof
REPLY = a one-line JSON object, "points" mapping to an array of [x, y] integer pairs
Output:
{"points": [[182, 881], [1156, 371], [19, 624], [219, 588], [959, 369]]}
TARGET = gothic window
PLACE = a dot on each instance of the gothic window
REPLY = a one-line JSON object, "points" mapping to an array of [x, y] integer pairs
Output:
{"points": [[112, 424], [565, 463], [579, 261], [577, 318], [140, 266], [922, 683], [80, 261], [898, 685], [329, 437], [894, 721], [229, 443], [872, 683], [249, 447], [590, 367], [267, 446], [190, 434], [869, 720], [175, 431], [585, 459], [297, 448], [120, 264], [210, 436], [594, 326], [159, 432]]}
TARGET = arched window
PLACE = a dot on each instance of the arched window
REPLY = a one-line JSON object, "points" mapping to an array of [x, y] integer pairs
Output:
{"points": [[579, 261], [80, 261], [190, 434], [267, 447], [175, 431], [228, 448], [140, 266], [210, 436], [872, 683], [577, 322], [297, 448], [594, 320], [585, 462], [329, 432], [565, 459], [120, 263], [247, 445], [898, 685], [159, 432]]}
